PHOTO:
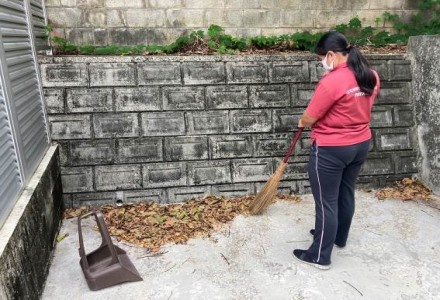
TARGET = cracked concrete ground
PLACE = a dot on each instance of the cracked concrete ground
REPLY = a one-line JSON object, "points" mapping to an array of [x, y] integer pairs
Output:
{"points": [[392, 253]]}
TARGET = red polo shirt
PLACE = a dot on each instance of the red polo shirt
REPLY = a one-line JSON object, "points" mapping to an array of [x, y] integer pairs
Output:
{"points": [[342, 109]]}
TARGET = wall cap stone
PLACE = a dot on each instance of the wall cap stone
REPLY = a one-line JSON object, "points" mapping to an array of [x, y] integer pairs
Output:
{"points": [[43, 59]]}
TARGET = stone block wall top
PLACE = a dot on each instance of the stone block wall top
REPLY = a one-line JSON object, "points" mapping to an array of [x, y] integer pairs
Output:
{"points": [[65, 75], [112, 74], [157, 61], [289, 71], [165, 73], [247, 72], [204, 73]]}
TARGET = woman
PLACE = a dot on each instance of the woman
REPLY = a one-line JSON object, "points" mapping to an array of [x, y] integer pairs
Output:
{"points": [[339, 115]]}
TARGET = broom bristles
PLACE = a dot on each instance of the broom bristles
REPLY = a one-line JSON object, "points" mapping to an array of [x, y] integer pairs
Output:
{"points": [[265, 197]]}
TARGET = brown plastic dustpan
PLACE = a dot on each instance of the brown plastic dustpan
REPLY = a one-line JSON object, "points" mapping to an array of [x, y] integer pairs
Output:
{"points": [[108, 264]]}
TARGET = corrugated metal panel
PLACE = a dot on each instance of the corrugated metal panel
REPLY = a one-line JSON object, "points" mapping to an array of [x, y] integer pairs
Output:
{"points": [[22, 86], [10, 180]]}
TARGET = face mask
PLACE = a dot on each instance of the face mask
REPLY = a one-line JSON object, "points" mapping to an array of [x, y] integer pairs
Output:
{"points": [[325, 65]]}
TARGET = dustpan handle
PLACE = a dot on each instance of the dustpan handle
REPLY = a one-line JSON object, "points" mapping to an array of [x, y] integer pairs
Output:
{"points": [[293, 144], [106, 240]]}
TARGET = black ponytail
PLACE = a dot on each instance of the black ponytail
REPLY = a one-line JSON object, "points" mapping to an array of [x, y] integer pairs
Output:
{"points": [[336, 42]]}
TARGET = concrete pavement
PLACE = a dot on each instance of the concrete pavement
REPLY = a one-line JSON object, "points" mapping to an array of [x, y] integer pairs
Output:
{"points": [[392, 253]]}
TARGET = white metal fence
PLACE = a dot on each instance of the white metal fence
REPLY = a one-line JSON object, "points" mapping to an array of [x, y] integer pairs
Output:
{"points": [[24, 136]]}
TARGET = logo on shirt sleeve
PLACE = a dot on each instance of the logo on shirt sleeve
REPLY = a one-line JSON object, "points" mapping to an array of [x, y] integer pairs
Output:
{"points": [[356, 91]]}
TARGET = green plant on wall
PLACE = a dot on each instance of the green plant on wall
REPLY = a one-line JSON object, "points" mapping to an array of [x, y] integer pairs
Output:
{"points": [[355, 33], [425, 21], [224, 43]]}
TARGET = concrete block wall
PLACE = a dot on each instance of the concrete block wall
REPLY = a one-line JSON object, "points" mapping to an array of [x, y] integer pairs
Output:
{"points": [[102, 22], [175, 127]]}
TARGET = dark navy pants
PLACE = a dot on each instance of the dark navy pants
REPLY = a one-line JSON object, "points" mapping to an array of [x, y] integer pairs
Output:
{"points": [[333, 171]]}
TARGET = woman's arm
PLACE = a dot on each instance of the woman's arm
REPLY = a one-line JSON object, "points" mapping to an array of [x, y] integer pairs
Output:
{"points": [[306, 120]]}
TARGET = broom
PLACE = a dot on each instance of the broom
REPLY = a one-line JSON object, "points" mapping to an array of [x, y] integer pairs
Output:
{"points": [[265, 196]]}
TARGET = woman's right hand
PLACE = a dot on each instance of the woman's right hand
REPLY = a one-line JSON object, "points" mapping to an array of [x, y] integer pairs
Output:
{"points": [[306, 120]]}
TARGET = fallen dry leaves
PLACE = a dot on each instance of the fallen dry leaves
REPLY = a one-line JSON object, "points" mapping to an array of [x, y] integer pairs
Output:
{"points": [[75, 212], [406, 189], [151, 225], [199, 47]]}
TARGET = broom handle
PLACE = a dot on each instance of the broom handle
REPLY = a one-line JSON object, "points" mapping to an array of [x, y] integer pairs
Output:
{"points": [[292, 145]]}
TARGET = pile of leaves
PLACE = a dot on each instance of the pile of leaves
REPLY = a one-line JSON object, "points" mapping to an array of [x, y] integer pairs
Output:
{"points": [[151, 225], [406, 189]]}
